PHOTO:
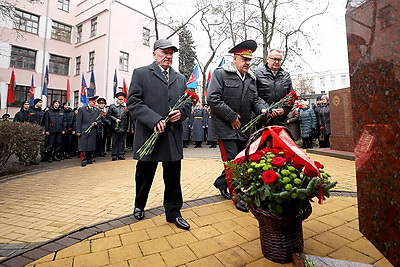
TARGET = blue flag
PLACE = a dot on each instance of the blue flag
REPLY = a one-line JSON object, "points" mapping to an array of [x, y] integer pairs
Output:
{"points": [[83, 91], [92, 87], [115, 83], [192, 82], [46, 81], [222, 62], [32, 93]]}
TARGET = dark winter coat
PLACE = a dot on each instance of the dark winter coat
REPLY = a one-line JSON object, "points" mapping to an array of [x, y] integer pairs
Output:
{"points": [[198, 124], [21, 116], [229, 96], [272, 88], [324, 118], [293, 123], [186, 130], [84, 118], [35, 115], [210, 128], [308, 122], [117, 111], [55, 121], [71, 120], [150, 99]]}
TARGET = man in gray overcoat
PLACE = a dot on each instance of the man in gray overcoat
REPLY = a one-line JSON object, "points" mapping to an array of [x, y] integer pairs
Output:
{"points": [[232, 96], [87, 117], [153, 91]]}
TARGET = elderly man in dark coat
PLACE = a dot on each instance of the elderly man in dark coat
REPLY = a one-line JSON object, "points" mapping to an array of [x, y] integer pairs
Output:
{"points": [[87, 119], [232, 96], [153, 92]]}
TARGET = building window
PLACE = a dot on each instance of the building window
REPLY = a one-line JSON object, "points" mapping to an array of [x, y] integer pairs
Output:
{"points": [[91, 61], [343, 79], [322, 81], [22, 58], [123, 61], [53, 94], [323, 92], [79, 33], [26, 21], [146, 36], [63, 5], [333, 81], [59, 65], [93, 27], [76, 98], [21, 94], [77, 65], [61, 32]]}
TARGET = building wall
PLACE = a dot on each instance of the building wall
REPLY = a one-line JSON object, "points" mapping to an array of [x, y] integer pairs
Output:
{"points": [[119, 28]]}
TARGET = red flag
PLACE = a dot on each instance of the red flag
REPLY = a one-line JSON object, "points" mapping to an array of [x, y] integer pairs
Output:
{"points": [[11, 88], [124, 90], [32, 92], [68, 90]]}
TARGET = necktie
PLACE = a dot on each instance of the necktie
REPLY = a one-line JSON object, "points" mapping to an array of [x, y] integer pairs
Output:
{"points": [[166, 75]]}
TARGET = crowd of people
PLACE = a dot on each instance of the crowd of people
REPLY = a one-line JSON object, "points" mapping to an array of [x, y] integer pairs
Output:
{"points": [[68, 132]]}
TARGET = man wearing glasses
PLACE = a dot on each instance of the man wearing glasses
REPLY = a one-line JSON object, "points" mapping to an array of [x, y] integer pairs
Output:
{"points": [[273, 83]]}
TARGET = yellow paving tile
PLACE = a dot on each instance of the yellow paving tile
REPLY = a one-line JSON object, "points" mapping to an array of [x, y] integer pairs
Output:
{"points": [[99, 258], [180, 239], [349, 254], [178, 256], [249, 233], [347, 232], [229, 240], [154, 260], [74, 250], [332, 240], [316, 226], [253, 248], [134, 237], [314, 247], [227, 226], [154, 245], [205, 220], [119, 264], [46, 258], [160, 230], [205, 262], [66, 262], [105, 243], [234, 257], [118, 231], [205, 232], [331, 220], [205, 247], [124, 253], [383, 263], [366, 247]]}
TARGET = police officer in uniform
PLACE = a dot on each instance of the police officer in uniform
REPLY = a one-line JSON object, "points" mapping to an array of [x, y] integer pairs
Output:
{"points": [[232, 96], [102, 129], [198, 124]]}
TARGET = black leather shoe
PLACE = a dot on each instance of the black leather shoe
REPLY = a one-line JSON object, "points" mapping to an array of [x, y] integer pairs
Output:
{"points": [[241, 205], [114, 158], [121, 157], [225, 193], [138, 214], [83, 164], [180, 223]]}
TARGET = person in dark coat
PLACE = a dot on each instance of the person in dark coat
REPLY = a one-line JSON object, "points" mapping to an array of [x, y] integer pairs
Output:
{"points": [[120, 119], [232, 96], [324, 122], [274, 83], [186, 132], [308, 123], [102, 129], [36, 115], [5, 117], [66, 146], [87, 119], [211, 139], [55, 125], [22, 114], [198, 124], [154, 89], [292, 123]]}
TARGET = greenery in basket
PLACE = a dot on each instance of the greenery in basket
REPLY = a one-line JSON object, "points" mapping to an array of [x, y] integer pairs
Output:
{"points": [[278, 181]]}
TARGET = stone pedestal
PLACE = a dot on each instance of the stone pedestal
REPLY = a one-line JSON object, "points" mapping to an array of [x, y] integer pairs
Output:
{"points": [[341, 120], [373, 39]]}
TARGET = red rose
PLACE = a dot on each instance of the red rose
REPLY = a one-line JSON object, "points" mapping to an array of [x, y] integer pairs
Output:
{"points": [[318, 165], [297, 163], [269, 177], [294, 94], [255, 157], [310, 172], [278, 162], [240, 160]]}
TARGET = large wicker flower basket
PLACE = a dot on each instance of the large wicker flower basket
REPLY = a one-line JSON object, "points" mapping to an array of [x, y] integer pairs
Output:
{"points": [[281, 237]]}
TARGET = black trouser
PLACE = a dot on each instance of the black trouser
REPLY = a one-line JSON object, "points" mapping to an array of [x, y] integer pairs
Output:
{"points": [[55, 143], [307, 142], [100, 143], [229, 149], [118, 144], [326, 142], [173, 200], [66, 146], [86, 157]]}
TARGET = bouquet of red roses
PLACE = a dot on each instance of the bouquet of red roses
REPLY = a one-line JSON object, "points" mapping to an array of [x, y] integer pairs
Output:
{"points": [[289, 99], [147, 147]]}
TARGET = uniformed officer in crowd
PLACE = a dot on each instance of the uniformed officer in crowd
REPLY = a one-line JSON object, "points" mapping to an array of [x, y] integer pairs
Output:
{"points": [[198, 124], [87, 120], [232, 96], [5, 117], [55, 125], [119, 116], [22, 114], [211, 140], [186, 132], [66, 146], [36, 115], [102, 129]]}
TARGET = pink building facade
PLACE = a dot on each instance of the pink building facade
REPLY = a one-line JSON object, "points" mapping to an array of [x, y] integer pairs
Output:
{"points": [[73, 38]]}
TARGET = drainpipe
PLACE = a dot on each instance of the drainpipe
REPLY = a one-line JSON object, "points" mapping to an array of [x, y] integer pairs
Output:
{"points": [[108, 50], [44, 49]]}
